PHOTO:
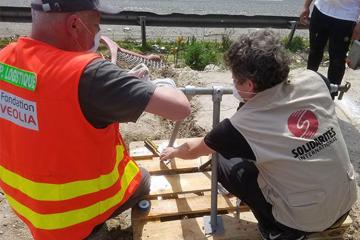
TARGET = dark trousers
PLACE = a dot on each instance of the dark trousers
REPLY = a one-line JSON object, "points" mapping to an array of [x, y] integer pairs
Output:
{"points": [[239, 177], [143, 189], [338, 32]]}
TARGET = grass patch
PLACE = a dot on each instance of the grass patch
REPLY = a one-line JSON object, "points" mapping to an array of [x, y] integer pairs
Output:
{"points": [[196, 54], [6, 41], [298, 44]]}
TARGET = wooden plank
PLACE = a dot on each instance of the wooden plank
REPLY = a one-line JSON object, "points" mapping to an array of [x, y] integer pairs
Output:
{"points": [[156, 167], [184, 206], [138, 151], [192, 229], [180, 183], [142, 154]]}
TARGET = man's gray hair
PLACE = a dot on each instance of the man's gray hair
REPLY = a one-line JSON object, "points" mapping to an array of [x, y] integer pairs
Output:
{"points": [[259, 57]]}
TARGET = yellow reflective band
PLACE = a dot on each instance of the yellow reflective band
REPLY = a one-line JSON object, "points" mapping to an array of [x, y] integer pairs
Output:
{"points": [[66, 219], [59, 192]]}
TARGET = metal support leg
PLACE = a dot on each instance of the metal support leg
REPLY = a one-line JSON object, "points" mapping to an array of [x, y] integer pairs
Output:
{"points": [[343, 89], [204, 166], [173, 138], [143, 30], [216, 226], [238, 204], [174, 133], [176, 129]]}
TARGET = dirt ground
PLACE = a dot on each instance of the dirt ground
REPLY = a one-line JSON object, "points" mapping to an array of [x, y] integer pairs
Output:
{"points": [[119, 228]]}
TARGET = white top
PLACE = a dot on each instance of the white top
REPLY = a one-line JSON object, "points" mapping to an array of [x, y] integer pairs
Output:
{"points": [[341, 9]]}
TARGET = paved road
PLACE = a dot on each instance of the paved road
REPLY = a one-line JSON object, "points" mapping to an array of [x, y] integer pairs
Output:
{"points": [[236, 7]]}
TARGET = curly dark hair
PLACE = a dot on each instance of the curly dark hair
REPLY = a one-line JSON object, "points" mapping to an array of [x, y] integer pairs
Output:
{"points": [[259, 57]]}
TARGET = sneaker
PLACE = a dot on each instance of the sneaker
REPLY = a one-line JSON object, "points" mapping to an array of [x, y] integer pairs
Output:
{"points": [[291, 236], [266, 234], [276, 235]]}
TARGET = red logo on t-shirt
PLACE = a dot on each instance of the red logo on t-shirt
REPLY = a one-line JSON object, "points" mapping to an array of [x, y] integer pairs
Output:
{"points": [[303, 123]]}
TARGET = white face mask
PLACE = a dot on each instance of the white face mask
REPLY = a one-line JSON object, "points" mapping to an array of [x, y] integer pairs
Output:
{"points": [[96, 42], [97, 38], [236, 94]]}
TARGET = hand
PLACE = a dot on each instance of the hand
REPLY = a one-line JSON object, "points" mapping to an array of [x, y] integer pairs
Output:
{"points": [[167, 153], [348, 62], [304, 16], [356, 32], [141, 71]]}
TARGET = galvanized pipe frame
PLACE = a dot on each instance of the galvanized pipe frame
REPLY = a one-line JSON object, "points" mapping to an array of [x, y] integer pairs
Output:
{"points": [[216, 98], [212, 225]]}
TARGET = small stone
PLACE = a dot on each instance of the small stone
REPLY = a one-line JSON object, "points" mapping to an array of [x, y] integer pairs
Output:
{"points": [[211, 68]]}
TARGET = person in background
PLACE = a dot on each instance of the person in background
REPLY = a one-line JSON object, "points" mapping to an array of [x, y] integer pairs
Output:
{"points": [[335, 22], [63, 164], [280, 151]]}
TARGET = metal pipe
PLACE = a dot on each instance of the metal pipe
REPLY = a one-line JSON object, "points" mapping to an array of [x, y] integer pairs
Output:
{"points": [[192, 91], [176, 128], [341, 89], [142, 20], [174, 133], [217, 97]]}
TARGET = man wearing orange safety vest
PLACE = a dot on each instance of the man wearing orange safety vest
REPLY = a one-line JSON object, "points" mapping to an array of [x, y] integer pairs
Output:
{"points": [[63, 164]]}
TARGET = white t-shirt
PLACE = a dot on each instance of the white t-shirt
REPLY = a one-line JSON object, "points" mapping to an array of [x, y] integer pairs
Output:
{"points": [[341, 9]]}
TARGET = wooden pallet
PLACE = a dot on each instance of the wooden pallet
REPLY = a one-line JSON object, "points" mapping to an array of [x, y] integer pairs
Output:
{"points": [[180, 197]]}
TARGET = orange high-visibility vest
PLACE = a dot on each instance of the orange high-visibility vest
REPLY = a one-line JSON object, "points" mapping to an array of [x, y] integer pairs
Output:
{"points": [[61, 175]]}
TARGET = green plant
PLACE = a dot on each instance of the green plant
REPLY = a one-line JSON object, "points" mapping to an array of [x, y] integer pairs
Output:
{"points": [[297, 43], [225, 42], [198, 55], [8, 40], [129, 45]]}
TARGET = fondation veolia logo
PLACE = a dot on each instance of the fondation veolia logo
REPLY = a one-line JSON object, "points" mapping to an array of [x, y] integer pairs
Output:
{"points": [[303, 124]]}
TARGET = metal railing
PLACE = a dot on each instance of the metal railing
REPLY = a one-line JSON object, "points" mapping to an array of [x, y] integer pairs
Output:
{"points": [[143, 19]]}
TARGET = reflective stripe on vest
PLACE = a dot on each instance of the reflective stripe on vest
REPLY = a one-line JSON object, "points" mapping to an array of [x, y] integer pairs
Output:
{"points": [[60, 192], [65, 219]]}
